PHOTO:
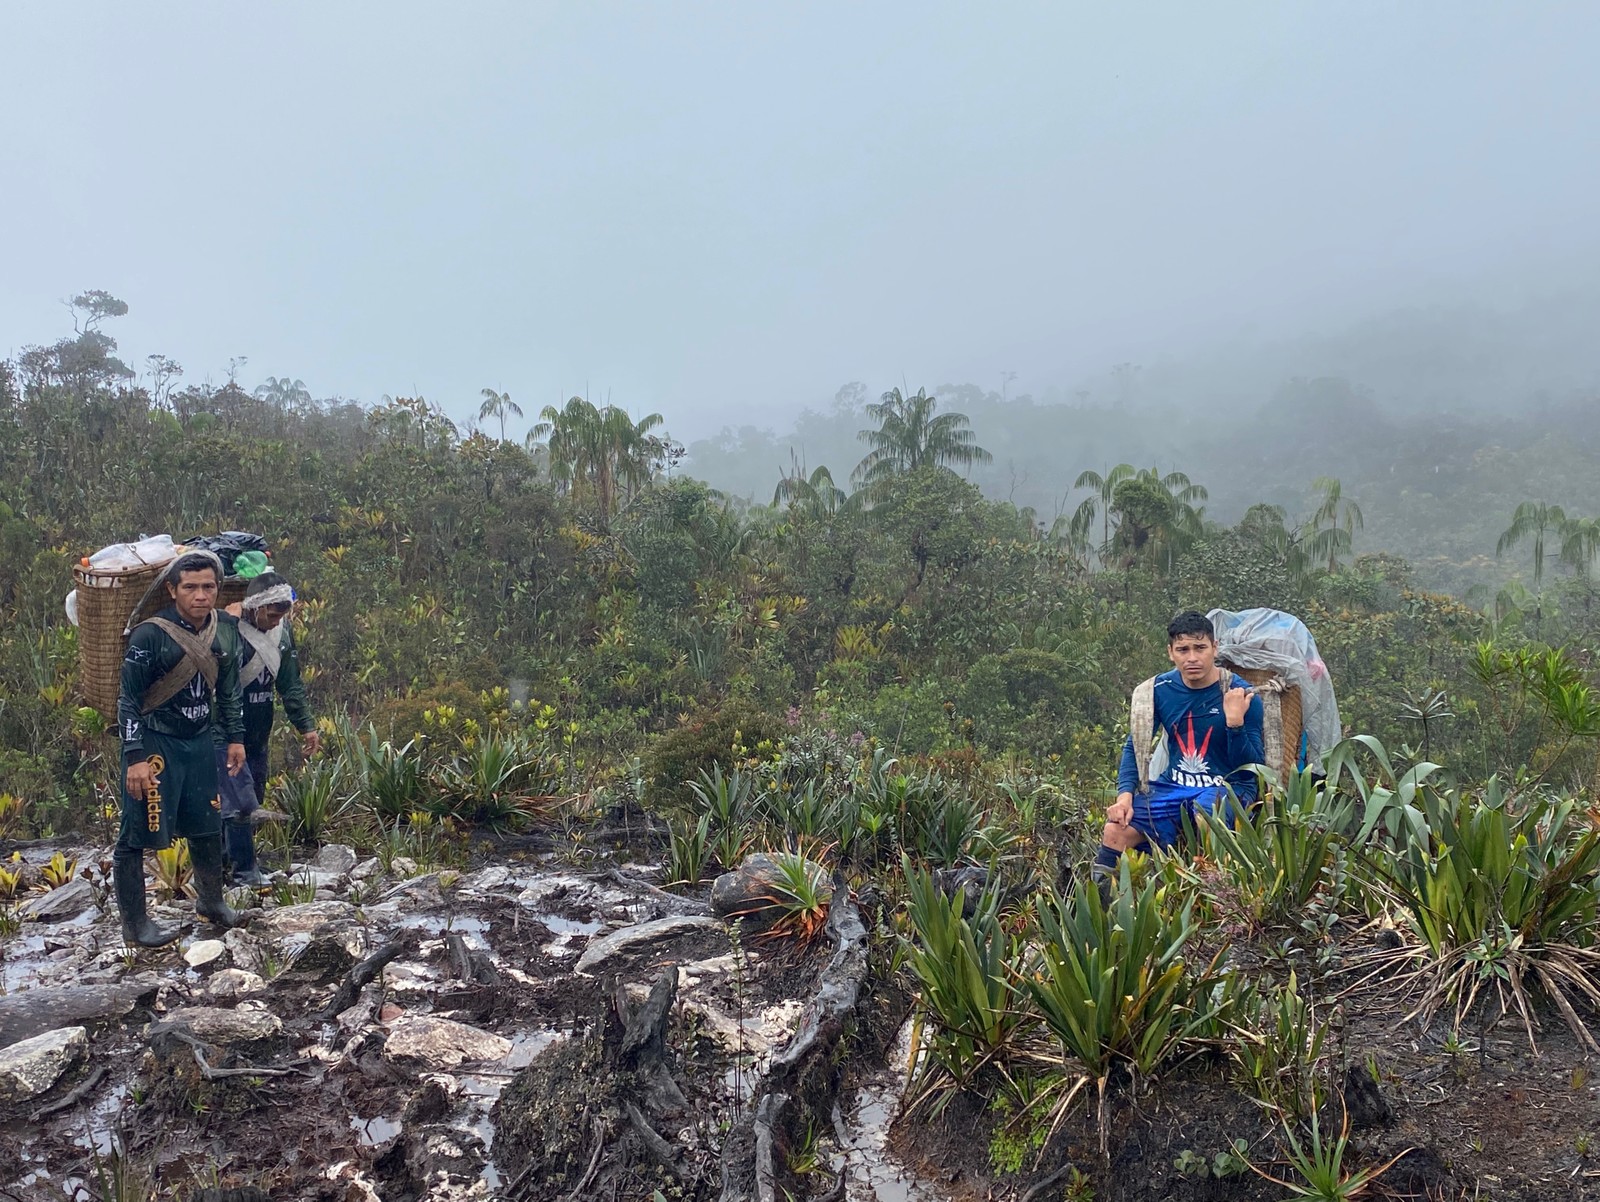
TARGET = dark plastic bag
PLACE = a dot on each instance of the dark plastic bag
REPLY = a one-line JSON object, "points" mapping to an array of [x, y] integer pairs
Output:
{"points": [[228, 545]]}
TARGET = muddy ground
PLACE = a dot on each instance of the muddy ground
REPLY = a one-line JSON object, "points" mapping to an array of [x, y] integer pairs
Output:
{"points": [[232, 1077]]}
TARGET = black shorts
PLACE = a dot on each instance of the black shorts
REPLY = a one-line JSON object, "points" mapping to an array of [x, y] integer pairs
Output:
{"points": [[184, 803]]}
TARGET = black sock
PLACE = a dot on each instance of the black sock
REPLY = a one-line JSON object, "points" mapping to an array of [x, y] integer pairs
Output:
{"points": [[1105, 861]]}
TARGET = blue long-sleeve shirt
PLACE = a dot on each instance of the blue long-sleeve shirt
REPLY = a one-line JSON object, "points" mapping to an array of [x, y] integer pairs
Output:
{"points": [[1202, 749]]}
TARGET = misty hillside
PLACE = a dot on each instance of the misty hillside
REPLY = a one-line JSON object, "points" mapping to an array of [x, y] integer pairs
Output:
{"points": [[1454, 419]]}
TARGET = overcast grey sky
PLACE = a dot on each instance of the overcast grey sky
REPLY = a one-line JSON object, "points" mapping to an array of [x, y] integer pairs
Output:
{"points": [[723, 211]]}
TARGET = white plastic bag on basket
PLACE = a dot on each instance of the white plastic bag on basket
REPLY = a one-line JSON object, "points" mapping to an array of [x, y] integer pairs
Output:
{"points": [[1278, 642]]}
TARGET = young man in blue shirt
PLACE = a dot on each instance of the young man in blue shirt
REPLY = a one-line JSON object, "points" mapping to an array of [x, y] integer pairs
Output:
{"points": [[1193, 734]]}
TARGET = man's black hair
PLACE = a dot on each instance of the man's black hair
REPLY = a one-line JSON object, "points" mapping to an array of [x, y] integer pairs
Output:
{"points": [[192, 563], [1190, 622]]}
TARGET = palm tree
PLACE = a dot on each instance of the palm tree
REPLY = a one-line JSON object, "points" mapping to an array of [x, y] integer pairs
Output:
{"points": [[498, 404], [1580, 545], [599, 451], [815, 496], [1180, 491], [284, 393], [909, 437], [1333, 524], [1531, 522]]}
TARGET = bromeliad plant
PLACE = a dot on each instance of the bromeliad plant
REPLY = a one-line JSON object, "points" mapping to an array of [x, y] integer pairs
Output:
{"points": [[493, 783], [1284, 862], [1505, 895], [391, 777], [1114, 984], [971, 1012]]}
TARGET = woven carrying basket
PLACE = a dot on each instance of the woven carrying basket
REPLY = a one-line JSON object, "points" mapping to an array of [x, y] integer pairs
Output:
{"points": [[1283, 720], [109, 603]]}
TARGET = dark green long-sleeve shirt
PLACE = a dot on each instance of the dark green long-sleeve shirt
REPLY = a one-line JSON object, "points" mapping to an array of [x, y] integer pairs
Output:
{"points": [[151, 654], [258, 687]]}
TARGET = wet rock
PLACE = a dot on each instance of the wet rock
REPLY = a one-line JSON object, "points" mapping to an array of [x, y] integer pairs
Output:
{"points": [[316, 878], [224, 1028], [324, 953], [34, 1065], [757, 1035], [302, 919], [335, 858], [320, 940], [495, 876], [406, 979], [34, 1011], [206, 953], [231, 984], [362, 1012], [56, 905], [636, 938], [969, 881], [440, 1043], [570, 892], [245, 950], [748, 891], [366, 869]]}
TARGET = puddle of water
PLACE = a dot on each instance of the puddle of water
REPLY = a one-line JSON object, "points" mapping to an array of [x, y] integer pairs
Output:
{"points": [[558, 925], [874, 1174], [23, 957], [525, 1045], [372, 1132], [102, 1135], [436, 924]]}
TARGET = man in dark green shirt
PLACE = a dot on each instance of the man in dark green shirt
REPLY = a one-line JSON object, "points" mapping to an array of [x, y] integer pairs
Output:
{"points": [[268, 666], [178, 678]]}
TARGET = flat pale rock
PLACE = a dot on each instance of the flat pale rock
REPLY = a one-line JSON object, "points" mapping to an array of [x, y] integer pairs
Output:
{"points": [[205, 953], [335, 858], [231, 984], [638, 937], [302, 919], [441, 1042], [34, 1065], [31, 1012], [224, 1028], [318, 878], [68, 901]]}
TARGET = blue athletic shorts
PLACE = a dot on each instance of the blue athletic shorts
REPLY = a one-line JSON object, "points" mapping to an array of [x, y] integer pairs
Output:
{"points": [[1158, 815]]}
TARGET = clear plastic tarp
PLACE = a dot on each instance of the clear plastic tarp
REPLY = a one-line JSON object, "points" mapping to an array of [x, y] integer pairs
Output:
{"points": [[1272, 640]]}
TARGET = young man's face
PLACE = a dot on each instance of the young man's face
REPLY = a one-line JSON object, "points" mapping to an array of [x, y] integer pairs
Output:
{"points": [[267, 617], [194, 593], [1195, 657]]}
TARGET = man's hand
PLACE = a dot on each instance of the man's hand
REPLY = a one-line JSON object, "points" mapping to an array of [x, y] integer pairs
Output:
{"points": [[235, 758], [310, 743], [140, 778], [1120, 812], [1234, 704]]}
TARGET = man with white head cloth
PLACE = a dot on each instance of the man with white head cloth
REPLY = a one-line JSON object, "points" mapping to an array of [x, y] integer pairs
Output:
{"points": [[268, 666]]}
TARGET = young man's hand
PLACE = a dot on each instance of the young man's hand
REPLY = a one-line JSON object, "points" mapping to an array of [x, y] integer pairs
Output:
{"points": [[1234, 705], [235, 758], [140, 778], [310, 743], [1120, 812]]}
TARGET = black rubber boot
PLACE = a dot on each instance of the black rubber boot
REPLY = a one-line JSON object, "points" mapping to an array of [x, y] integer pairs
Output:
{"points": [[205, 856], [127, 876], [242, 852]]}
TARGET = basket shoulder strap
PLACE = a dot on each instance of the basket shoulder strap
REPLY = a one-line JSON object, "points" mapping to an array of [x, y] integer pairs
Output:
{"points": [[1141, 728], [197, 659]]}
